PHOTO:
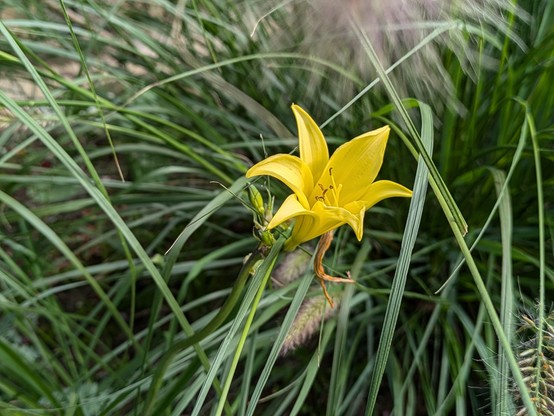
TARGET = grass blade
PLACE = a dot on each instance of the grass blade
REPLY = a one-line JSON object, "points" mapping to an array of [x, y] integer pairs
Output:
{"points": [[274, 353], [400, 275], [505, 404], [259, 278]]}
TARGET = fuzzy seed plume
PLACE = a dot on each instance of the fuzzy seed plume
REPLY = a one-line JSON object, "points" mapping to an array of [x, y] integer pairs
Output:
{"points": [[536, 362], [308, 321], [293, 266]]}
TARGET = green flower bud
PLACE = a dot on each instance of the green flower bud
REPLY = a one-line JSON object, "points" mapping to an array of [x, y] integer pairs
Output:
{"points": [[256, 200]]}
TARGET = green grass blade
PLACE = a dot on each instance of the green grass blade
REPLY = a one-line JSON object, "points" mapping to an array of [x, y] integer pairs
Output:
{"points": [[24, 372], [400, 275], [542, 263], [505, 404], [62, 247], [312, 370], [261, 275], [91, 85], [299, 296], [98, 197], [515, 160], [338, 382], [242, 339]]}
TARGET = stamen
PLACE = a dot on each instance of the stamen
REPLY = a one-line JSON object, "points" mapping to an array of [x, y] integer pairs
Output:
{"points": [[323, 192], [334, 188], [335, 191]]}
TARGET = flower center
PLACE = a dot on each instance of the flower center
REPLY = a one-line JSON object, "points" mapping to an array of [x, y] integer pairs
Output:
{"points": [[330, 194]]}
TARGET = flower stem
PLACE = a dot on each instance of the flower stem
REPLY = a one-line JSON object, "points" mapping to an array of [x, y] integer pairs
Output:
{"points": [[242, 340], [196, 338]]}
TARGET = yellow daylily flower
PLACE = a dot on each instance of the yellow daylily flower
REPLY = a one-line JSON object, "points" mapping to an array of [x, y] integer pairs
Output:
{"points": [[328, 192]]}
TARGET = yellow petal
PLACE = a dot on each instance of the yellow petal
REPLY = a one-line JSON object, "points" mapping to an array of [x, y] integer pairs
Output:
{"points": [[380, 190], [302, 226], [355, 164], [322, 219], [357, 209], [312, 145], [376, 192], [290, 170], [289, 209]]}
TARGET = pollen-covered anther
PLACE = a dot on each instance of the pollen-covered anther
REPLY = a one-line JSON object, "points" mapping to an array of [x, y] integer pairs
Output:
{"points": [[329, 198], [323, 192]]}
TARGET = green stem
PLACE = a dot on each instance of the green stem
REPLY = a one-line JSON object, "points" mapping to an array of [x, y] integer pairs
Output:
{"points": [[215, 323], [242, 340]]}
